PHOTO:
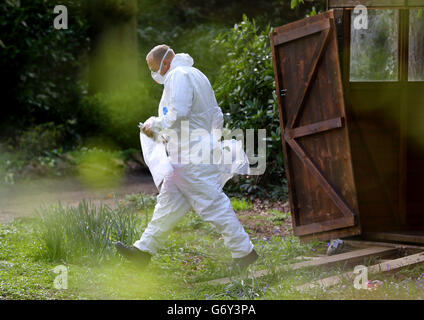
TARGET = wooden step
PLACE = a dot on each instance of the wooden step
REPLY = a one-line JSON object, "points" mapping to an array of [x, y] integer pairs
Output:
{"points": [[351, 257], [386, 266]]}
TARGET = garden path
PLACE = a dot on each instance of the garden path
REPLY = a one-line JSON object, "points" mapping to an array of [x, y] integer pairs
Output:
{"points": [[22, 199]]}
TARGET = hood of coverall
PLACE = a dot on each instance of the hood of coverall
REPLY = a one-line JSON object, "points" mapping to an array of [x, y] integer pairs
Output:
{"points": [[180, 60]]}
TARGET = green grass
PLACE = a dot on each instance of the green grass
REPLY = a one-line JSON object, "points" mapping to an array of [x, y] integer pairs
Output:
{"points": [[87, 232], [278, 217], [193, 253], [241, 204]]}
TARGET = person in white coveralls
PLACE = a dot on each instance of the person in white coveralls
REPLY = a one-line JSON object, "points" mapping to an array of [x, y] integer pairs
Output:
{"points": [[188, 101]]}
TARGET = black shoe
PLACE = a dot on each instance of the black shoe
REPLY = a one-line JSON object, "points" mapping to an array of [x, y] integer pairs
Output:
{"points": [[135, 255], [244, 262]]}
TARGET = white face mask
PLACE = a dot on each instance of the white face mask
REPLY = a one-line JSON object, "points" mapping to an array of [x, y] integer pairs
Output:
{"points": [[156, 74]]}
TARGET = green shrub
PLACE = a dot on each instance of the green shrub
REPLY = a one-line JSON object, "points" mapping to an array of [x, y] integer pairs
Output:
{"points": [[116, 115], [245, 91], [197, 42], [37, 151], [38, 140], [10, 165], [41, 64], [97, 168], [240, 204]]}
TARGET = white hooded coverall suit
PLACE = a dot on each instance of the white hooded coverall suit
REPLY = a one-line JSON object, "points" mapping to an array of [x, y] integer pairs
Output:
{"points": [[188, 96]]}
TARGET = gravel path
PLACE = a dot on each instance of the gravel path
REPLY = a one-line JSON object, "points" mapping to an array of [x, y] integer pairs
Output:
{"points": [[23, 199]]}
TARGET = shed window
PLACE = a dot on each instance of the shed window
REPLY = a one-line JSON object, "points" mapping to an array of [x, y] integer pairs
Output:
{"points": [[374, 51], [416, 45]]}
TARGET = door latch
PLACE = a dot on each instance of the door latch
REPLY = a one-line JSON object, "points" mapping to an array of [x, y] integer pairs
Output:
{"points": [[283, 92]]}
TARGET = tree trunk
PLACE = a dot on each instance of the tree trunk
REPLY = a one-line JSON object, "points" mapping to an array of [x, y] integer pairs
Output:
{"points": [[113, 55]]}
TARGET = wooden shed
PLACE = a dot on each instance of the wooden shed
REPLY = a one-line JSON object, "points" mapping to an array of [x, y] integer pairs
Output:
{"points": [[351, 101]]}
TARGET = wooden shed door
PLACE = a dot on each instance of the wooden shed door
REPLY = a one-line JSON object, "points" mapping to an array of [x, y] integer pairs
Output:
{"points": [[313, 128]]}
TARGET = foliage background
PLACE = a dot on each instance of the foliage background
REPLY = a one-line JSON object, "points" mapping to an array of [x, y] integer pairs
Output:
{"points": [[48, 111]]}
